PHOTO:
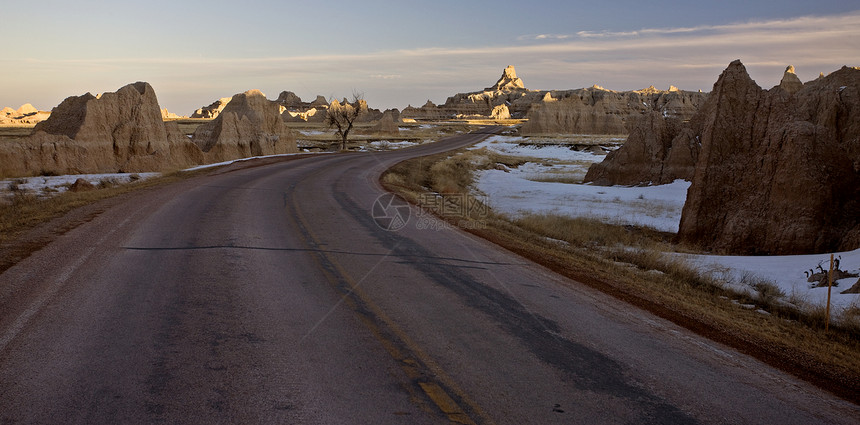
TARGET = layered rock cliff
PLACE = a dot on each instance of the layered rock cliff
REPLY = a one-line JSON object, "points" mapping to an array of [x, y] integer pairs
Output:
{"points": [[591, 110], [596, 110], [778, 170], [113, 132], [250, 125]]}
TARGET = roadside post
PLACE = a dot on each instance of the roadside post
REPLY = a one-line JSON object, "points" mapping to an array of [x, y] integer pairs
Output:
{"points": [[829, 286]]}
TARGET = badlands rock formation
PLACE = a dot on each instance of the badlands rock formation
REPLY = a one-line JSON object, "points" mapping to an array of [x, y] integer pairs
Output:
{"points": [[778, 171], [388, 124], [500, 112], [213, 110], [290, 100], [26, 114], [505, 91], [250, 125], [167, 115], [658, 150], [112, 132], [591, 110], [508, 81], [790, 81], [596, 110]]}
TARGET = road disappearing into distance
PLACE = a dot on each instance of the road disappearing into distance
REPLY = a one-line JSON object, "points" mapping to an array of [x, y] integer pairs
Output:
{"points": [[297, 292]]}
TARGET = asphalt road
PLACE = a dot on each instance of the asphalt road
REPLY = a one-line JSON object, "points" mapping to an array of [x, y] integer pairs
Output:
{"points": [[273, 294]]}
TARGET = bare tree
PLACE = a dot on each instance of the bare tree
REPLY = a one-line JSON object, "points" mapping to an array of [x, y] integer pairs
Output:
{"points": [[342, 116]]}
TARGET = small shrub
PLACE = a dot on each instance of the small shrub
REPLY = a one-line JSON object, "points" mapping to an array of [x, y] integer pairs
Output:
{"points": [[767, 291], [849, 318]]}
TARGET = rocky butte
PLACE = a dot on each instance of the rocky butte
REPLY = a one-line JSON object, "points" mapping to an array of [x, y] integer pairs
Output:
{"points": [[658, 150], [593, 110], [773, 171], [661, 149], [778, 170], [113, 132], [250, 125]]}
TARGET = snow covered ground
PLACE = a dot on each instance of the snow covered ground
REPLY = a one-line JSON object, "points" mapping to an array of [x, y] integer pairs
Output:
{"points": [[57, 184], [52, 185], [384, 145], [313, 132], [526, 189], [787, 272], [521, 190]]}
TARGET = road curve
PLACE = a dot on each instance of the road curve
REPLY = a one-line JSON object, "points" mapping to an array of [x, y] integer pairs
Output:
{"points": [[273, 294]]}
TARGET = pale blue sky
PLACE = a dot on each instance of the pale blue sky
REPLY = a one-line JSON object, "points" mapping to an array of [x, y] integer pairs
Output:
{"points": [[400, 53]]}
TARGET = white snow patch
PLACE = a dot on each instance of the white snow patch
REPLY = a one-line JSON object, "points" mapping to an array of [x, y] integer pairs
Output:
{"points": [[312, 132], [58, 184], [510, 145], [654, 206], [386, 145], [515, 192], [218, 164], [786, 271]]}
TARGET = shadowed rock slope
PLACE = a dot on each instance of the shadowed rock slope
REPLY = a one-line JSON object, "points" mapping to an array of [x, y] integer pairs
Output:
{"points": [[658, 150], [778, 170]]}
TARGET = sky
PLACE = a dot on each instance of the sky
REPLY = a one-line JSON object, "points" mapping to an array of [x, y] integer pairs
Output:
{"points": [[401, 53]]}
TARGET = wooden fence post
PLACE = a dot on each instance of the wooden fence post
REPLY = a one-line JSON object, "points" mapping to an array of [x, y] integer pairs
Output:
{"points": [[829, 286]]}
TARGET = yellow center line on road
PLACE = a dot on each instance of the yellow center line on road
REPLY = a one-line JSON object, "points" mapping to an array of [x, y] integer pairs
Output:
{"points": [[416, 365]]}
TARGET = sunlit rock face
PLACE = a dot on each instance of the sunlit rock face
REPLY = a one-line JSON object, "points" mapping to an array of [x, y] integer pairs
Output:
{"points": [[26, 114], [115, 131], [595, 110], [508, 81], [592, 110], [213, 110], [250, 125]]}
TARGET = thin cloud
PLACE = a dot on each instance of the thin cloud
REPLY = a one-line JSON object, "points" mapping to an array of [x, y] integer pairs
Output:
{"points": [[794, 24], [386, 76], [688, 57], [544, 37]]}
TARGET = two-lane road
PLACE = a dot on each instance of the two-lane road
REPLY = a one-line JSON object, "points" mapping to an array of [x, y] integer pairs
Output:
{"points": [[271, 295]]}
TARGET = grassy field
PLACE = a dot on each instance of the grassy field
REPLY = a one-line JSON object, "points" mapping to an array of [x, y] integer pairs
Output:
{"points": [[628, 263]]}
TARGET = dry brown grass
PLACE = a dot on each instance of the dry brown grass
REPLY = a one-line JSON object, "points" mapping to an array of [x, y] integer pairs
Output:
{"points": [[25, 211], [188, 125], [628, 263]]}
